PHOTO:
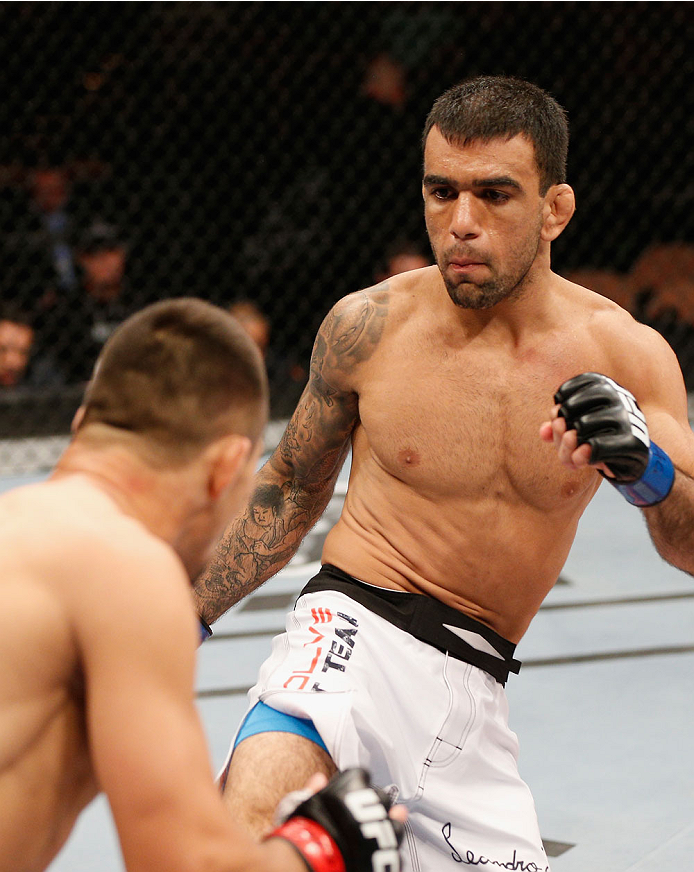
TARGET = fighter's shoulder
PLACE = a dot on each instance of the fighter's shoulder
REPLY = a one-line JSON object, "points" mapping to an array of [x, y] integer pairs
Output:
{"points": [[134, 588], [606, 319], [113, 554], [623, 332], [636, 354], [386, 301], [356, 310]]}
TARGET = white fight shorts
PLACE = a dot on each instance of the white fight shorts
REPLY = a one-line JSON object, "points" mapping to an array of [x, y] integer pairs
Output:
{"points": [[431, 728]]}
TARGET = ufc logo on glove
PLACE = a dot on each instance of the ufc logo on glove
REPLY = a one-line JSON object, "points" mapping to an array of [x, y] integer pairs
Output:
{"points": [[374, 823]]}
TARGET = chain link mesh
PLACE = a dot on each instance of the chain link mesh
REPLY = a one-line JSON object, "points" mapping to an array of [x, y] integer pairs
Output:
{"points": [[269, 153]]}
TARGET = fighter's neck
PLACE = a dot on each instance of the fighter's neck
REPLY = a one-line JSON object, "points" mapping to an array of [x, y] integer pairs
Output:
{"points": [[136, 490], [528, 311]]}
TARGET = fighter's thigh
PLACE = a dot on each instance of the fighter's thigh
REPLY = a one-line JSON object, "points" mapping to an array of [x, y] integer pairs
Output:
{"points": [[264, 768]]}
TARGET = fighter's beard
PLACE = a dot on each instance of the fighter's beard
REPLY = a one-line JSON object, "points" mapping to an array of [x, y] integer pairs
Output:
{"points": [[485, 295], [480, 296]]}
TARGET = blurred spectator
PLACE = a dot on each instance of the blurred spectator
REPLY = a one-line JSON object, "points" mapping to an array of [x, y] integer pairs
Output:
{"points": [[658, 291], [401, 257], [16, 342], [385, 81], [85, 319], [663, 264], [663, 279], [20, 365], [102, 253], [254, 322], [286, 375], [36, 238], [50, 221]]}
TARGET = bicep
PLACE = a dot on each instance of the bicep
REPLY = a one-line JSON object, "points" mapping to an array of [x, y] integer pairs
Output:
{"points": [[662, 396], [317, 439]]}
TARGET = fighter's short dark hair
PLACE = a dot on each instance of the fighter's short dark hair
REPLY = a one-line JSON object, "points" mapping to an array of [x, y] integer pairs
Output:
{"points": [[491, 107]]}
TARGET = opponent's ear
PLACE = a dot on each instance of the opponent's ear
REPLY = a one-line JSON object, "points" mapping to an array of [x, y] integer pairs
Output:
{"points": [[229, 460], [559, 207], [77, 420]]}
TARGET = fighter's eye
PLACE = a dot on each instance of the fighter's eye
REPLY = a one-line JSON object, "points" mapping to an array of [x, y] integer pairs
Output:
{"points": [[495, 196], [442, 193]]}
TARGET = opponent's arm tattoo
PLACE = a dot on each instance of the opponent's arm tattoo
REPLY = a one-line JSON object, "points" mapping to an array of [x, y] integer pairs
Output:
{"points": [[298, 479]]}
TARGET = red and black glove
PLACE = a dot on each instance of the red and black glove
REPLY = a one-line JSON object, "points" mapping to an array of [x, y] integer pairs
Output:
{"points": [[345, 827]]}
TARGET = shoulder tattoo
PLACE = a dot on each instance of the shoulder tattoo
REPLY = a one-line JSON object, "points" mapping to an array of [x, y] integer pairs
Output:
{"points": [[315, 437], [349, 335]]}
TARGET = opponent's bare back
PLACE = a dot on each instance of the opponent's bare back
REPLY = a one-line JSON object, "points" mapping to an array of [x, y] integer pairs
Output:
{"points": [[42, 720], [56, 540]]}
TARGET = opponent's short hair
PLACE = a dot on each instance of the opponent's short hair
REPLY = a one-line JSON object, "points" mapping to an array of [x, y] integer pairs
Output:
{"points": [[179, 374], [491, 107]]}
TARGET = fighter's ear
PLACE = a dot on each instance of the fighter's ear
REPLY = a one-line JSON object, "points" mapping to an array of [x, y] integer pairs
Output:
{"points": [[560, 205], [229, 458], [77, 420]]}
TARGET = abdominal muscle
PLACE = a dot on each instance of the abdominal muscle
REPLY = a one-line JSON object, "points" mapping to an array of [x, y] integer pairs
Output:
{"points": [[492, 556]]}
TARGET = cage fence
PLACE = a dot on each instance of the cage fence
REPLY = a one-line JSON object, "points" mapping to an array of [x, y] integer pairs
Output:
{"points": [[268, 154]]}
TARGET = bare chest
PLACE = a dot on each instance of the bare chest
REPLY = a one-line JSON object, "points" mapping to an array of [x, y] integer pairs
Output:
{"points": [[467, 425]]}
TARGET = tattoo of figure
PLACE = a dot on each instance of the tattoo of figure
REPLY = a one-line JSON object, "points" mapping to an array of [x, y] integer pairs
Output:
{"points": [[295, 485]]}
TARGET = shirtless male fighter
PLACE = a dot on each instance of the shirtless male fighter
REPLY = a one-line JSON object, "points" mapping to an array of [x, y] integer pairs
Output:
{"points": [[458, 517], [98, 632]]}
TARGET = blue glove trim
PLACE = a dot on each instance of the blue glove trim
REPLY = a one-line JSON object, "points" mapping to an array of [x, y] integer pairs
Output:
{"points": [[655, 483], [205, 630]]}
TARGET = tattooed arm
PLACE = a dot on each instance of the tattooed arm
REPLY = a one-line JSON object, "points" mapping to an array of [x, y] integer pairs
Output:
{"points": [[296, 483]]}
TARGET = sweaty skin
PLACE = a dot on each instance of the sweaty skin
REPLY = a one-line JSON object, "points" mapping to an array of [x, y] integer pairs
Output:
{"points": [[484, 518], [451, 493], [440, 380], [81, 712], [42, 722]]}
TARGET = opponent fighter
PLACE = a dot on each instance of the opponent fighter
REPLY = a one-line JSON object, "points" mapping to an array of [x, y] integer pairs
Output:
{"points": [[458, 518], [97, 627]]}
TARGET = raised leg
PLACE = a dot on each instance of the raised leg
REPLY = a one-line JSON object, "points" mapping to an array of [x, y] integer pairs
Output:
{"points": [[264, 768]]}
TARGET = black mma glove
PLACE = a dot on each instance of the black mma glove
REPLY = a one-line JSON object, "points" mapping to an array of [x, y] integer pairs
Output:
{"points": [[608, 418], [345, 827]]}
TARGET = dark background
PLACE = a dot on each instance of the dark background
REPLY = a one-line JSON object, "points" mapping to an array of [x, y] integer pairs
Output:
{"points": [[237, 149]]}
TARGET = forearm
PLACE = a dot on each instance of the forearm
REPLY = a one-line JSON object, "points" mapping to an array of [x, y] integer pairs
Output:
{"points": [[671, 524], [298, 480], [215, 844], [238, 568], [598, 422], [227, 579]]}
